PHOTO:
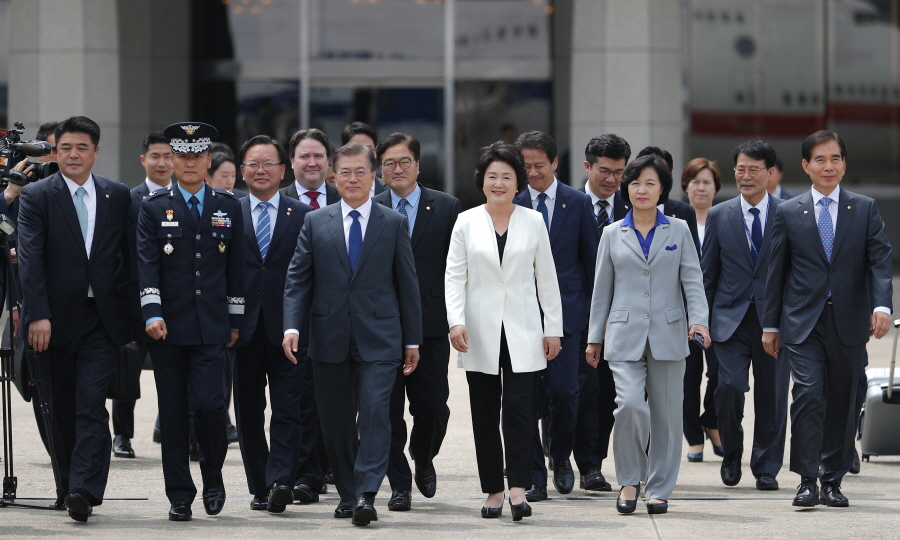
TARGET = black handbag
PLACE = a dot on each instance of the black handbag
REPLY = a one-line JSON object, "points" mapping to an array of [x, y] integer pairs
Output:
{"points": [[126, 381]]}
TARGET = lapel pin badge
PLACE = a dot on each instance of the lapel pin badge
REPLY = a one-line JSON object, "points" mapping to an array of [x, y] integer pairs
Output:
{"points": [[848, 208], [221, 247], [107, 196], [427, 208], [289, 210], [564, 206], [805, 212]]}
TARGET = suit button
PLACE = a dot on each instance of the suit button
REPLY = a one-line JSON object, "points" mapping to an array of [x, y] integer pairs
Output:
{"points": [[258, 291], [198, 255], [830, 271], [263, 268], [198, 237], [198, 292], [646, 272], [646, 294], [646, 315], [197, 273], [352, 289]]}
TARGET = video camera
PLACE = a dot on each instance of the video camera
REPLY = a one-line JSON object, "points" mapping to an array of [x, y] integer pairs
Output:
{"points": [[13, 150]]}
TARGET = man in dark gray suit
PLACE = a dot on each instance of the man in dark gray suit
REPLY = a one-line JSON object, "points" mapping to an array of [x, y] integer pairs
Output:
{"points": [[353, 272], [775, 188], [735, 262], [831, 262]]}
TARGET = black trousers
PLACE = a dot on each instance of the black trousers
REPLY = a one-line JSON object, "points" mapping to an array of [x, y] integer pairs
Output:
{"points": [[508, 394], [694, 422], [596, 405], [123, 410], [255, 364], [190, 379], [428, 390], [76, 378], [312, 445], [771, 379], [823, 412]]}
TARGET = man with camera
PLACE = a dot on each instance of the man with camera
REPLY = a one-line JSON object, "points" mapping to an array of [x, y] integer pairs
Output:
{"points": [[75, 315]]}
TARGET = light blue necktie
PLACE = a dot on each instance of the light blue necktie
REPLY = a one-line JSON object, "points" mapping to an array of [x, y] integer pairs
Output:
{"points": [[542, 208], [82, 211], [354, 244], [401, 207], [826, 228], [263, 229]]}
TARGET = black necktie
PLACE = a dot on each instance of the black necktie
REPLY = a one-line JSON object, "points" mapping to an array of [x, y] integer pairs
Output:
{"points": [[602, 214], [194, 210]]}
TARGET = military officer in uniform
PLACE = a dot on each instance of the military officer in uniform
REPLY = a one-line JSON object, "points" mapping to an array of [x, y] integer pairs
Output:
{"points": [[191, 282]]}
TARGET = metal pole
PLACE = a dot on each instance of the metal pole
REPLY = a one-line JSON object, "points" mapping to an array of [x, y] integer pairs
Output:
{"points": [[449, 96], [304, 64]]}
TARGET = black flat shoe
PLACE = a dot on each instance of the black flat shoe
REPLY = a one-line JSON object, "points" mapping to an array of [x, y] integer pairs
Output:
{"points": [[523, 509], [766, 482], [627, 506], [488, 512], [79, 506], [658, 508]]}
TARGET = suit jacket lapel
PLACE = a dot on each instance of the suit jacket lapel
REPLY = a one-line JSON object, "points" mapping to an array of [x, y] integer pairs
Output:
{"points": [[67, 207], [807, 214], [767, 232], [285, 209], [560, 211], [426, 208], [336, 228], [101, 191], [373, 231], [660, 238], [736, 218], [621, 209], [630, 238], [181, 211], [845, 215], [249, 232]]}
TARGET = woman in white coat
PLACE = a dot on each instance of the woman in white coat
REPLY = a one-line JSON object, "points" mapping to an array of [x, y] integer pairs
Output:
{"points": [[637, 311], [498, 266]]}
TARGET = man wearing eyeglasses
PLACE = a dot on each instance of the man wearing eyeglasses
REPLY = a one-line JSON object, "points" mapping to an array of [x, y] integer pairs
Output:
{"points": [[310, 155], [431, 216], [354, 274], [271, 225], [736, 251], [605, 158]]}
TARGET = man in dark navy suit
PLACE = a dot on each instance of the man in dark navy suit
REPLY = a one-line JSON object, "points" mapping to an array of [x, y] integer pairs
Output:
{"points": [[272, 224], [605, 159], [156, 159], [574, 237], [191, 277], [431, 216], [75, 315], [735, 261]]}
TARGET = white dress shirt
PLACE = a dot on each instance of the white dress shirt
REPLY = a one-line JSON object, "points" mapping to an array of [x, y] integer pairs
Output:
{"points": [[153, 186], [256, 211], [550, 201], [90, 200], [304, 198]]}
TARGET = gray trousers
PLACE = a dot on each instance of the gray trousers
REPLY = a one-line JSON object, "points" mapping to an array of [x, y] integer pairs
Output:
{"points": [[658, 418]]}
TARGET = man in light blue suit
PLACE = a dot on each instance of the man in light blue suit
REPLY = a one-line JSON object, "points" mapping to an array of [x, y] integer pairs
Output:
{"points": [[735, 262]]}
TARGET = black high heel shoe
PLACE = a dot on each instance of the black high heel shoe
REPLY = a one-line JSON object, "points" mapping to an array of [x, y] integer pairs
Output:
{"points": [[658, 508], [523, 509], [489, 512], [626, 506]]}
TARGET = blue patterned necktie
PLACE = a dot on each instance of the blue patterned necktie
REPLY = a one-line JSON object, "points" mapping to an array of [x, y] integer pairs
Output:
{"points": [[542, 208], [401, 207], [82, 211], [195, 202], [826, 228], [354, 243], [756, 234], [263, 229]]}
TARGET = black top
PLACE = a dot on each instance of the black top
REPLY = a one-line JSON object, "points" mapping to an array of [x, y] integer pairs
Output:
{"points": [[501, 243]]}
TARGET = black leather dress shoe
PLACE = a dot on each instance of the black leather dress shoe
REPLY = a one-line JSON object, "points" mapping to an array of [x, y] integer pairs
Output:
{"points": [[807, 493], [563, 477], [593, 480], [627, 506], [232, 434], [766, 482], [832, 496], [536, 493], [79, 506], [304, 494], [364, 511], [854, 466], [344, 509], [731, 468], [658, 508], [519, 511], [194, 450], [279, 497], [157, 436], [328, 476], [122, 447], [259, 503], [324, 489], [214, 498], [426, 479], [180, 511], [400, 501]]}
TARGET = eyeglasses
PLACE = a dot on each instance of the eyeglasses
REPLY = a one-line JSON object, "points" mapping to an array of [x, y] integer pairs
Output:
{"points": [[390, 164], [752, 171], [267, 166], [606, 173], [358, 173]]}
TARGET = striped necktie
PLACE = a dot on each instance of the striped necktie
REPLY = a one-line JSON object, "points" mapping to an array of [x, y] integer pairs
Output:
{"points": [[263, 228]]}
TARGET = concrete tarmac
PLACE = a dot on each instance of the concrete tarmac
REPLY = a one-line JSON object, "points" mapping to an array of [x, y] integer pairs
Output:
{"points": [[701, 506]]}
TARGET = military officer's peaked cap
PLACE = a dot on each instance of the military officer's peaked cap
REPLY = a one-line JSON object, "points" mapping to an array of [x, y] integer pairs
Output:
{"points": [[190, 137]]}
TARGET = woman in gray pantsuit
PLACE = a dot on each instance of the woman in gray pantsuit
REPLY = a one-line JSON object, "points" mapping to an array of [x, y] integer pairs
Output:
{"points": [[638, 314]]}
